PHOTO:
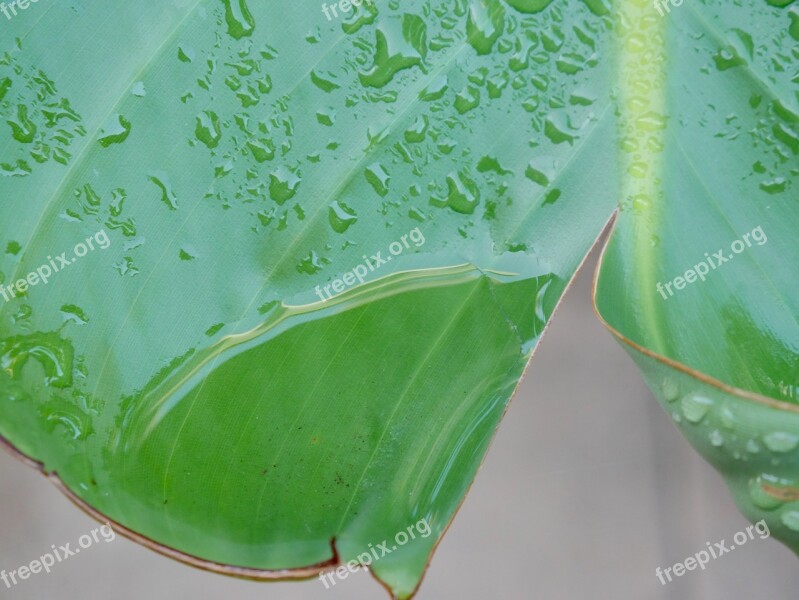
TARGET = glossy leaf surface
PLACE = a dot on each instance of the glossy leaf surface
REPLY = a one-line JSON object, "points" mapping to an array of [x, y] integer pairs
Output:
{"points": [[715, 139], [194, 381]]}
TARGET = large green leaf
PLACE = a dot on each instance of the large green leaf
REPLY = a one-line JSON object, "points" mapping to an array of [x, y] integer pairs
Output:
{"points": [[713, 147], [195, 383], [189, 382]]}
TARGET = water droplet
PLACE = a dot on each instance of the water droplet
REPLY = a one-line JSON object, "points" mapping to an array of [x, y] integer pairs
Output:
{"points": [[436, 89], [214, 329], [468, 99], [53, 353], [553, 39], [208, 130], [186, 255], [283, 185], [70, 312], [395, 51], [312, 263], [269, 307], [341, 217], [774, 186], [126, 267], [138, 89], [727, 417], [262, 149], [716, 439], [161, 179], [5, 85], [463, 195], [379, 179], [314, 36], [787, 136], [19, 169], [326, 117], [551, 197], [651, 121], [727, 58], [485, 24], [529, 6], [556, 131], [793, 29], [781, 441], [599, 7], [759, 496], [325, 83], [541, 171], [695, 408], [116, 131], [76, 423], [364, 15], [670, 389], [22, 129], [185, 55], [11, 392], [790, 518], [240, 22], [418, 130], [417, 215], [490, 164]]}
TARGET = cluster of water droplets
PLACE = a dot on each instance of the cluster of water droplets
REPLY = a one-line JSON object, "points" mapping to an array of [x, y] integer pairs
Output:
{"points": [[741, 436], [61, 402], [767, 127], [483, 59], [435, 73], [41, 122], [396, 129]]}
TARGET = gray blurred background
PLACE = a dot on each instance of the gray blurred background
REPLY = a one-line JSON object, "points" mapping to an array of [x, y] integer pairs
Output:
{"points": [[587, 489]]}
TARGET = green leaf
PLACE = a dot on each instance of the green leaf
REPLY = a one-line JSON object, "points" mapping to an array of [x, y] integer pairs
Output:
{"points": [[712, 201], [332, 248]]}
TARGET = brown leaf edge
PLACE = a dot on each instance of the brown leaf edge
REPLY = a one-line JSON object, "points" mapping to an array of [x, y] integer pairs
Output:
{"points": [[676, 365]]}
